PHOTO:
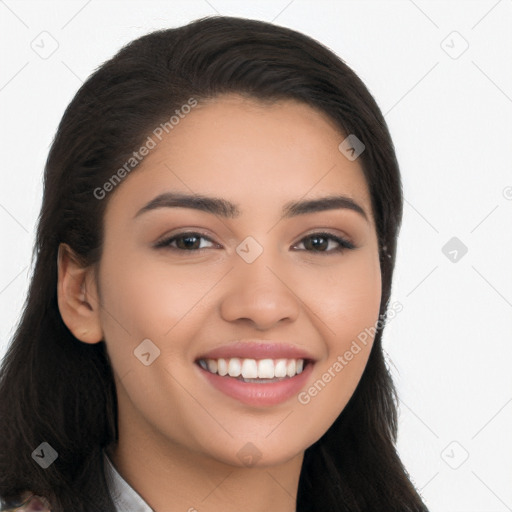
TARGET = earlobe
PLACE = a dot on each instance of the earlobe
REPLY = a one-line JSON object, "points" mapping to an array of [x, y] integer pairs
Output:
{"points": [[77, 295]]}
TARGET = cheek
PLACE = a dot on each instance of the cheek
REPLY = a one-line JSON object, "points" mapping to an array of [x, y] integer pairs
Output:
{"points": [[347, 312], [146, 295], [133, 307], [347, 298]]}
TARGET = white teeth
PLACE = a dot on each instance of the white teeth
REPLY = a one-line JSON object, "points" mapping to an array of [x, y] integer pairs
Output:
{"points": [[291, 368], [212, 365], [249, 369], [234, 367], [280, 368], [252, 368], [222, 367], [266, 369]]}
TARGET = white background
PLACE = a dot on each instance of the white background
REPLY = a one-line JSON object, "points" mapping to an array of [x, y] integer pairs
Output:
{"points": [[450, 116]]}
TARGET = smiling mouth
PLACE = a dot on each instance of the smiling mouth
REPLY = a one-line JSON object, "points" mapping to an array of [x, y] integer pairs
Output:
{"points": [[261, 371]]}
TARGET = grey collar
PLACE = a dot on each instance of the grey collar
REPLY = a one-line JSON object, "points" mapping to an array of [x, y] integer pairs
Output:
{"points": [[125, 498]]}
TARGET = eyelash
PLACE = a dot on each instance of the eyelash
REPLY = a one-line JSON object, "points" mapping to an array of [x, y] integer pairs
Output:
{"points": [[343, 243]]}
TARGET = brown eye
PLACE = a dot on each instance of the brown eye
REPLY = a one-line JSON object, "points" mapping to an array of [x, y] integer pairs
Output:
{"points": [[323, 242], [184, 242]]}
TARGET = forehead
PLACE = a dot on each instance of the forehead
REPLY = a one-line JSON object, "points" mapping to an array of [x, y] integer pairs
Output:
{"points": [[252, 152]]}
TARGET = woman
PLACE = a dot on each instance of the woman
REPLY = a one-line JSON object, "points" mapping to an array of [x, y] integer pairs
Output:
{"points": [[214, 262]]}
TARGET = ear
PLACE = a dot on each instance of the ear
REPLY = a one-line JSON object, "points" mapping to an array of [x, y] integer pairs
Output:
{"points": [[78, 297]]}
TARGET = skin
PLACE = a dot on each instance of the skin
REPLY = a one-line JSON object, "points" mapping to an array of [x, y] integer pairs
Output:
{"points": [[179, 436]]}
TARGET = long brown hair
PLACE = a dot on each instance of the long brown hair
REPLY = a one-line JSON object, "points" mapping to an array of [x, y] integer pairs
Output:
{"points": [[56, 389]]}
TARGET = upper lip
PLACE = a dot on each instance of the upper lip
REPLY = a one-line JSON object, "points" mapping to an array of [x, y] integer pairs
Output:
{"points": [[257, 350]]}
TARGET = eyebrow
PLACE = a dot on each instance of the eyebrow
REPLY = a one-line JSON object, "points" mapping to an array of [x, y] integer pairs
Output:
{"points": [[229, 210]]}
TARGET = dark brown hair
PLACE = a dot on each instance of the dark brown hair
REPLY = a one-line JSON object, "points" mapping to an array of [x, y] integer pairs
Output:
{"points": [[56, 389]]}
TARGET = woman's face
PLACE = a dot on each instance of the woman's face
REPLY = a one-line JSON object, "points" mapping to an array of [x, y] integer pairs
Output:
{"points": [[250, 275]]}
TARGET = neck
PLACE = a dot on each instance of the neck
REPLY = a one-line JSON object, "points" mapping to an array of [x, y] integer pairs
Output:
{"points": [[180, 480]]}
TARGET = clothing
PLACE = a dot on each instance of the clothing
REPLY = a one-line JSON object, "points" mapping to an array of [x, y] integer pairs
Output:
{"points": [[125, 498], [123, 495]]}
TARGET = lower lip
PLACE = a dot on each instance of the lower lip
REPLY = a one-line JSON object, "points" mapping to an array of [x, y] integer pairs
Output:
{"points": [[263, 394]]}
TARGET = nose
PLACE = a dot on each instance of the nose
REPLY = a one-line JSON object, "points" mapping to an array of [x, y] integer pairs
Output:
{"points": [[259, 294]]}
